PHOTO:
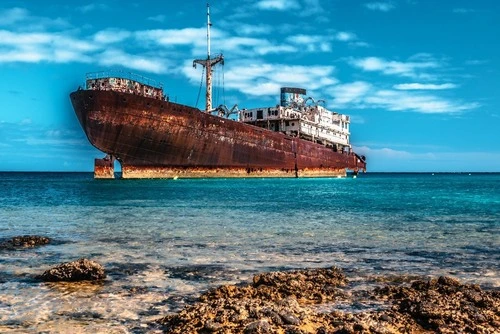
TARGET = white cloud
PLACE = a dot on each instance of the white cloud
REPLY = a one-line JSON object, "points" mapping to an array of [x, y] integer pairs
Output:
{"points": [[110, 36], [351, 93], [39, 40], [10, 38], [463, 10], [345, 36], [37, 47], [419, 86], [70, 43], [313, 7], [279, 5], [411, 69], [310, 43], [142, 63], [303, 8], [249, 29], [13, 15], [92, 7], [476, 62], [380, 6], [195, 38], [258, 78], [265, 79], [234, 43], [173, 37], [25, 21], [359, 44], [422, 103], [268, 49], [304, 39], [157, 18], [364, 95]]}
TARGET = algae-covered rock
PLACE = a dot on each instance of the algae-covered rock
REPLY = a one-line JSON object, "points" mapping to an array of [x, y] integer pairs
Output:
{"points": [[24, 241], [79, 270]]}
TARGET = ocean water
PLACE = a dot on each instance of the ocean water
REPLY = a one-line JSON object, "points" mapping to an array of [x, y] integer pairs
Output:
{"points": [[163, 242]]}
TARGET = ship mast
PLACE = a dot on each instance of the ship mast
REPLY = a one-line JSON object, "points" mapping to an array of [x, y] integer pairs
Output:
{"points": [[208, 64]]}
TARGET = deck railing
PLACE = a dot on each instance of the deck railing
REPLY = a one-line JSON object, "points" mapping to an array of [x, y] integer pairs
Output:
{"points": [[124, 75]]}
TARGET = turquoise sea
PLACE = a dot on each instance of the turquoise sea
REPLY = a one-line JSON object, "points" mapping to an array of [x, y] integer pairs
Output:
{"points": [[162, 242]]}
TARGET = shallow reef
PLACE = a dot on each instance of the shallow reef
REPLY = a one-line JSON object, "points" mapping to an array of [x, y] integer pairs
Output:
{"points": [[308, 301]]}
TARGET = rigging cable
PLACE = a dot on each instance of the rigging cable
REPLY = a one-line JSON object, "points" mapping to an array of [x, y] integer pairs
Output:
{"points": [[201, 84], [223, 86], [218, 89]]}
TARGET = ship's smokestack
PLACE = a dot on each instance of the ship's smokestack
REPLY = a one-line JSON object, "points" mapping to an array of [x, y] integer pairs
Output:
{"points": [[292, 96]]}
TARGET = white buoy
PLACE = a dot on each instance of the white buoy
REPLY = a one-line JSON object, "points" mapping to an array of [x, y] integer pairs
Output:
{"points": [[176, 177]]}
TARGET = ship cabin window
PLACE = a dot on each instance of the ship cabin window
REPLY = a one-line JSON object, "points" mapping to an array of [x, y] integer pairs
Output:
{"points": [[293, 124], [287, 123], [260, 114]]}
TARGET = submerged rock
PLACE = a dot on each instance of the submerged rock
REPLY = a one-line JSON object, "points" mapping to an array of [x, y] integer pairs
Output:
{"points": [[289, 302], [24, 241], [80, 270]]}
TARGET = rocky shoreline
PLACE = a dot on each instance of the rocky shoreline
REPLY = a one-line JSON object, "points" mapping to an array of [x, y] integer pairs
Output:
{"points": [[289, 303], [312, 301]]}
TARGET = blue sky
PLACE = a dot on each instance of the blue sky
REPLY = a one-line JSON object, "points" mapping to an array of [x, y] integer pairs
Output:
{"points": [[419, 78]]}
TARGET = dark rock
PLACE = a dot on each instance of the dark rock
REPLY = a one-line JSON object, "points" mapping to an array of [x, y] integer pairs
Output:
{"points": [[80, 270], [25, 241], [290, 319], [258, 327], [444, 280], [274, 317], [212, 326], [294, 330], [444, 305], [385, 317]]}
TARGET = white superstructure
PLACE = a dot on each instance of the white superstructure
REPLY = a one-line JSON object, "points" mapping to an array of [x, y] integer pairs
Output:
{"points": [[302, 117]]}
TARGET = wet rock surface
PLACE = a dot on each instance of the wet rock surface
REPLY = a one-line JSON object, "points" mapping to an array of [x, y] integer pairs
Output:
{"points": [[79, 270], [444, 305], [291, 303], [24, 241]]}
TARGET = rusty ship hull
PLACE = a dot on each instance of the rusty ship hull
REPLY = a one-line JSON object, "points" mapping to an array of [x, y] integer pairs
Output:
{"points": [[156, 138]]}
